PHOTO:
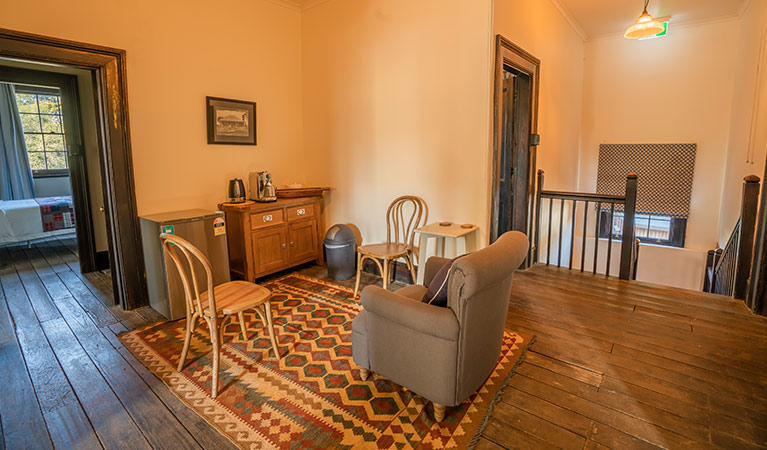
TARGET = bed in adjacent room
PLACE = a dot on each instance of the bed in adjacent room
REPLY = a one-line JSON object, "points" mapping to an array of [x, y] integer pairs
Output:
{"points": [[36, 218]]}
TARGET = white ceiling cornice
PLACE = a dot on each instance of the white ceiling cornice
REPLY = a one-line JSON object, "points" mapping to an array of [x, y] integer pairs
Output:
{"points": [[298, 4], [286, 3], [312, 3], [744, 7], [569, 18]]}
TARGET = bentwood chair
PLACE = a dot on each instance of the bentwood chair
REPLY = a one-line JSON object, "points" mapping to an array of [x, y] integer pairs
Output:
{"points": [[226, 300], [441, 353], [404, 215]]}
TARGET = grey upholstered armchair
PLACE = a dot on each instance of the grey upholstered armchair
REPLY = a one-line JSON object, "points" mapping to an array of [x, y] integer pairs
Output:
{"points": [[441, 353]]}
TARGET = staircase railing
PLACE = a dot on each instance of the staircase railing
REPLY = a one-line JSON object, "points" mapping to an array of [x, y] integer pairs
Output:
{"points": [[629, 244], [728, 269]]}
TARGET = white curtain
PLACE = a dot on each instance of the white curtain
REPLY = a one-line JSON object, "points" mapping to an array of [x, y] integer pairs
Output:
{"points": [[15, 174]]}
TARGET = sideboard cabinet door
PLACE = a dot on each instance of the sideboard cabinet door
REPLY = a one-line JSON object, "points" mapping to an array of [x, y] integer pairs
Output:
{"points": [[270, 249], [303, 240]]}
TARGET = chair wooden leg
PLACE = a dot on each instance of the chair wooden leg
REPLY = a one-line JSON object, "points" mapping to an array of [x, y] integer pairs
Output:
{"points": [[241, 319], [270, 326], [190, 324], [439, 412], [385, 273], [214, 334], [359, 271], [364, 373], [392, 271], [411, 267]]}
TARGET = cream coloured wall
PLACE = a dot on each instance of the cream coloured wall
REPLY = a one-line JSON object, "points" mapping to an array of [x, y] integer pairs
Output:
{"points": [[747, 146], [674, 89], [539, 28], [179, 52], [396, 101]]}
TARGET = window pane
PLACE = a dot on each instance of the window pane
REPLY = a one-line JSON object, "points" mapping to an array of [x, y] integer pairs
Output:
{"points": [[54, 142], [618, 224], [660, 228], [49, 104], [26, 103], [56, 160], [51, 124], [642, 224], [37, 160], [30, 123], [34, 142]]}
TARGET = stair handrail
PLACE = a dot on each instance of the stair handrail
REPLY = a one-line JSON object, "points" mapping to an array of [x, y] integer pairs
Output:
{"points": [[629, 244], [728, 269]]}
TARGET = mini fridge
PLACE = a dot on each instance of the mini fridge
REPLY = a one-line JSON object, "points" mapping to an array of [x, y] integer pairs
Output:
{"points": [[205, 230]]}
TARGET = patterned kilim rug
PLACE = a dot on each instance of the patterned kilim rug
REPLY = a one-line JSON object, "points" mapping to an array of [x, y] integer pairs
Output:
{"points": [[313, 397]]}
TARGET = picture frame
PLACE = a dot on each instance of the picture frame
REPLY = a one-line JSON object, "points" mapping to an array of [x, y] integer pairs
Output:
{"points": [[230, 122]]}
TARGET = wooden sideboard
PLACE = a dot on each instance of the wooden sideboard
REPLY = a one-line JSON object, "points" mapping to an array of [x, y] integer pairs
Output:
{"points": [[264, 238]]}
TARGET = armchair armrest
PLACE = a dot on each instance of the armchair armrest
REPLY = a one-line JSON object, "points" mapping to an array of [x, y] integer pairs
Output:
{"points": [[433, 265], [427, 319]]}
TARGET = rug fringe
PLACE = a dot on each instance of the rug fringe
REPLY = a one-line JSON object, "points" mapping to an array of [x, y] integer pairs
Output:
{"points": [[475, 440]]}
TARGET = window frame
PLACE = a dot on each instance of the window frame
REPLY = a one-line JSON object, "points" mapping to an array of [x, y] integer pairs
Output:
{"points": [[677, 230], [49, 91]]}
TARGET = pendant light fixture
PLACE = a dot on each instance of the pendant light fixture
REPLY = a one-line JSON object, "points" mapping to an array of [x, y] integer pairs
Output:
{"points": [[645, 26]]}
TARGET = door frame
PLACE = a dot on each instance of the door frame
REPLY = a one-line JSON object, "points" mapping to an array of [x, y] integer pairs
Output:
{"points": [[110, 87], [509, 54], [78, 172]]}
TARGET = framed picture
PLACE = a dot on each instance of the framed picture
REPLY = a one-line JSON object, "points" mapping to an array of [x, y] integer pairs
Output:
{"points": [[231, 121]]}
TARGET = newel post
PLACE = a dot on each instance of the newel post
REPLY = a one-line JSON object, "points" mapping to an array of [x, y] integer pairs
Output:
{"points": [[627, 243], [748, 209], [536, 242]]}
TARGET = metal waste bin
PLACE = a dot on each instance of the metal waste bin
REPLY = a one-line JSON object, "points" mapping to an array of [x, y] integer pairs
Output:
{"points": [[340, 251]]}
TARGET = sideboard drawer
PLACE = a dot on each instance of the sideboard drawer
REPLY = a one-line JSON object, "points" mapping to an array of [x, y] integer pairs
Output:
{"points": [[300, 212], [266, 219]]}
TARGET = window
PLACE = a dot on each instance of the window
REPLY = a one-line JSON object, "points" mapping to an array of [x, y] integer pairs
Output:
{"points": [[664, 183], [652, 229], [43, 125]]}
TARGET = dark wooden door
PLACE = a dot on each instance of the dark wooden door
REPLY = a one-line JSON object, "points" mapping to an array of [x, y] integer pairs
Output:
{"points": [[506, 169], [303, 240], [514, 170], [270, 249]]}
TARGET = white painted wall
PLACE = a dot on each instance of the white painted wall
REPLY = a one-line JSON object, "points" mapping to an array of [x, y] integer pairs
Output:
{"points": [[747, 146], [674, 89]]}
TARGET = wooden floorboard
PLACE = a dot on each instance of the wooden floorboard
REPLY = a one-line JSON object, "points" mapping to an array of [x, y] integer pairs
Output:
{"points": [[616, 365], [631, 365]]}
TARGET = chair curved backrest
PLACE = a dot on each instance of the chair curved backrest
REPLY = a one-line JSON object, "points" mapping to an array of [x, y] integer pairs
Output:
{"points": [[403, 227], [173, 246]]}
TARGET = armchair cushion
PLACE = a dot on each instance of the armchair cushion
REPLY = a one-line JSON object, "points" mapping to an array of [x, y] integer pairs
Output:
{"points": [[433, 265], [436, 294]]}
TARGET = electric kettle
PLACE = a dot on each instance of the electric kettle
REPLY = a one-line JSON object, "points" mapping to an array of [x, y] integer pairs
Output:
{"points": [[236, 191]]}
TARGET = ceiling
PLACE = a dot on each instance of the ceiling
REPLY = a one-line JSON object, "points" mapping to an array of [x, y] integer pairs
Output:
{"points": [[593, 18], [605, 17]]}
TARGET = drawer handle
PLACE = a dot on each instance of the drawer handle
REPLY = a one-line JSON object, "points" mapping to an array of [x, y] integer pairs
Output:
{"points": [[267, 218], [292, 244], [284, 246], [300, 212]]}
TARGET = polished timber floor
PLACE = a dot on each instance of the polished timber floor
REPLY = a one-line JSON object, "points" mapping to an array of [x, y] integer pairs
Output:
{"points": [[616, 364]]}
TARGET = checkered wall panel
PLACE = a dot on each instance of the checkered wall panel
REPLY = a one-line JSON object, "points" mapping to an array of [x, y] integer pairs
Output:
{"points": [[664, 175]]}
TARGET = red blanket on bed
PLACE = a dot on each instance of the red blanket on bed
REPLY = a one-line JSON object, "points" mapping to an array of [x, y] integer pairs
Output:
{"points": [[57, 213]]}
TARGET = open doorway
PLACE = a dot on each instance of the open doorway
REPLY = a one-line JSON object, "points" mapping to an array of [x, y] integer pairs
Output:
{"points": [[91, 80], [50, 144], [515, 139]]}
